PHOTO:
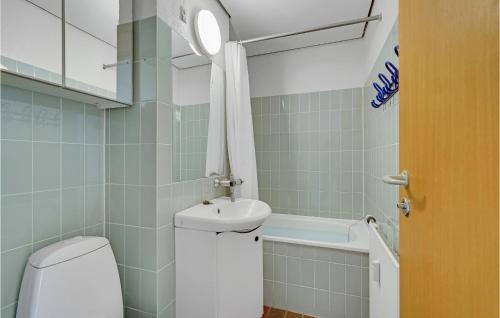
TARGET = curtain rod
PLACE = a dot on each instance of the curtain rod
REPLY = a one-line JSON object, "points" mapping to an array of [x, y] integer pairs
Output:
{"points": [[321, 28]]}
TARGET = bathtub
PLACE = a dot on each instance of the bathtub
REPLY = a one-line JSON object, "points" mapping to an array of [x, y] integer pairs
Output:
{"points": [[311, 267], [316, 231]]}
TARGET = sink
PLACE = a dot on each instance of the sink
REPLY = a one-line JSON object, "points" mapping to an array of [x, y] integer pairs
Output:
{"points": [[224, 216]]}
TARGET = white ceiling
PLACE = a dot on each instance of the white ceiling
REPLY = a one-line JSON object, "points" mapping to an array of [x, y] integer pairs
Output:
{"points": [[258, 18]]}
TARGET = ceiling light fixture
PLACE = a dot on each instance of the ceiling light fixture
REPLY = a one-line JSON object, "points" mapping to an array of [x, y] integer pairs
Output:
{"points": [[207, 32], [194, 49]]}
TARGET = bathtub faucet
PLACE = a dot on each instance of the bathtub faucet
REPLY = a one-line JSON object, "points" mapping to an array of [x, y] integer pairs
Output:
{"points": [[231, 182], [368, 218]]}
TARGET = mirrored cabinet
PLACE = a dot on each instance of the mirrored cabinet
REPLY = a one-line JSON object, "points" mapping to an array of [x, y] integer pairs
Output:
{"points": [[191, 102], [83, 47], [32, 39]]}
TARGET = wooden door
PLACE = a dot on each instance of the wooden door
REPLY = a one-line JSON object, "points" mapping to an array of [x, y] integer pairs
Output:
{"points": [[449, 117]]}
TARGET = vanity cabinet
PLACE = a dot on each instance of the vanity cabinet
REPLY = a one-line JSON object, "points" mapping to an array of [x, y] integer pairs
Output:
{"points": [[222, 273]]}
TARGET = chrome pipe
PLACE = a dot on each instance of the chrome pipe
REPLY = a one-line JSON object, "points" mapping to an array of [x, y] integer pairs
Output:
{"points": [[377, 17]]}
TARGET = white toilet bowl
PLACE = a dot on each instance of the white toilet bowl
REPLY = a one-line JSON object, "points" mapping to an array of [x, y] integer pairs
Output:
{"points": [[75, 278]]}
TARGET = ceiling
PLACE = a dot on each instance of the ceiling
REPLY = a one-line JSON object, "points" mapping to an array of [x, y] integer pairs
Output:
{"points": [[258, 18]]}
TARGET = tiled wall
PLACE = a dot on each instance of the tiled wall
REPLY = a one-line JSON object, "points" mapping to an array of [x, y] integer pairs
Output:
{"points": [[52, 178], [142, 196], [64, 174], [190, 143], [321, 282], [131, 202], [138, 151], [309, 152], [382, 150]]}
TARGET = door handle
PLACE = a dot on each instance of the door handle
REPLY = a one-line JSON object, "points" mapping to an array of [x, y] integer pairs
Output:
{"points": [[400, 180], [404, 205]]}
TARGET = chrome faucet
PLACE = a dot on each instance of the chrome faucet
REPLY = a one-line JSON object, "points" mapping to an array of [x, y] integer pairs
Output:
{"points": [[231, 182], [367, 218]]}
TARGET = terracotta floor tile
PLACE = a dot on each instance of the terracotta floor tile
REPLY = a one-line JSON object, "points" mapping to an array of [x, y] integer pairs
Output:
{"points": [[279, 313], [266, 312], [276, 313]]}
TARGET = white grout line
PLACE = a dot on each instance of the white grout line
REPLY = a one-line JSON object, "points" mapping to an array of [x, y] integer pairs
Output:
{"points": [[32, 172], [103, 124], [123, 173], [107, 134], [363, 150], [20, 247], [84, 162], [60, 169], [47, 142]]}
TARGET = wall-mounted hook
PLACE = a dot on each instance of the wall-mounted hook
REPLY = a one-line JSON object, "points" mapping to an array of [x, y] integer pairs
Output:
{"points": [[390, 87]]}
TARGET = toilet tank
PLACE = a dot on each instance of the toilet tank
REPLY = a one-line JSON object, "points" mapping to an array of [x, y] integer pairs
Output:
{"points": [[73, 278]]}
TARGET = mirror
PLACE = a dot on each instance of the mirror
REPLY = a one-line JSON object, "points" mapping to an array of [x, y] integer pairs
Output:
{"points": [[96, 48], [191, 99], [98, 45], [32, 38]]}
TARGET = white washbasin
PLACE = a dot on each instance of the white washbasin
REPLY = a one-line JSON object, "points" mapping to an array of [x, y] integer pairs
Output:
{"points": [[224, 216]]}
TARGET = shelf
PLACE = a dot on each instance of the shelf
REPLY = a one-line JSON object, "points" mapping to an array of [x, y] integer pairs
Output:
{"points": [[45, 87]]}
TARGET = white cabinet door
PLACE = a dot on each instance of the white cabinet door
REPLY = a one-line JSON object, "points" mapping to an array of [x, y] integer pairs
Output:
{"points": [[195, 263], [240, 274]]}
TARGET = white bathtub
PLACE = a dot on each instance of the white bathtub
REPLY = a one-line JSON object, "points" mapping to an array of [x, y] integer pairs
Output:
{"points": [[316, 231], [310, 266]]}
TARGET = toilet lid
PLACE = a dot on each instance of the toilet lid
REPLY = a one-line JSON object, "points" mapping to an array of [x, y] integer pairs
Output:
{"points": [[66, 250]]}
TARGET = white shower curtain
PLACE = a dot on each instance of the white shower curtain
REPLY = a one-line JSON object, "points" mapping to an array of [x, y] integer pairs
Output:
{"points": [[216, 141], [240, 140]]}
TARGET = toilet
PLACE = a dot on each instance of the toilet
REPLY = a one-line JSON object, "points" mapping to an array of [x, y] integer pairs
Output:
{"points": [[74, 278]]}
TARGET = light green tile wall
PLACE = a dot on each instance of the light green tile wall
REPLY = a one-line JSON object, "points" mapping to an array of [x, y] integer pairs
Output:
{"points": [[52, 175], [64, 174], [142, 196], [382, 150], [321, 282], [133, 156], [176, 143], [309, 152]]}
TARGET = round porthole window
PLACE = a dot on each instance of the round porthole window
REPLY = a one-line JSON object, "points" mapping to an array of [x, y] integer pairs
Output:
{"points": [[194, 49], [208, 32]]}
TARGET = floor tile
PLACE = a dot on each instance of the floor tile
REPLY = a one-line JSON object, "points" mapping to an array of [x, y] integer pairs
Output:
{"points": [[280, 313], [276, 313], [266, 312]]}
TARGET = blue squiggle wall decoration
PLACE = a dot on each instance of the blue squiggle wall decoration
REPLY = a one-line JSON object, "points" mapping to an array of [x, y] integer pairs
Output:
{"points": [[389, 87]]}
